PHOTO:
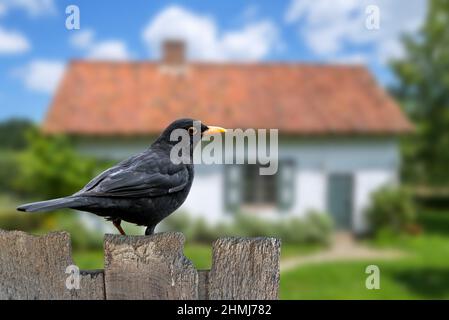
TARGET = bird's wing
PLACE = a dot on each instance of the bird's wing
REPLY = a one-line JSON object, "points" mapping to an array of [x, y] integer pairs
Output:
{"points": [[149, 175], [120, 166]]}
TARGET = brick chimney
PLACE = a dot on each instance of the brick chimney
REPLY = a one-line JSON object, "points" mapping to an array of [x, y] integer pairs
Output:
{"points": [[173, 52]]}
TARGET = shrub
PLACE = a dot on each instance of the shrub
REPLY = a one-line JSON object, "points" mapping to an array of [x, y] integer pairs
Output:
{"points": [[50, 167], [249, 225], [391, 208], [12, 220], [319, 227], [8, 170], [40, 223], [315, 227], [13, 133]]}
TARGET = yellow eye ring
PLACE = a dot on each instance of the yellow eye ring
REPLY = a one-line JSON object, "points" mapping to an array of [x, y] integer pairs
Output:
{"points": [[192, 131]]}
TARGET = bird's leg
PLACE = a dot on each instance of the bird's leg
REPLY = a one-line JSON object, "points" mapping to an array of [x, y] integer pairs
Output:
{"points": [[149, 231], [118, 226]]}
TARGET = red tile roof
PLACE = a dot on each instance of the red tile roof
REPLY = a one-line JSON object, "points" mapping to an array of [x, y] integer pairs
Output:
{"points": [[114, 98]]}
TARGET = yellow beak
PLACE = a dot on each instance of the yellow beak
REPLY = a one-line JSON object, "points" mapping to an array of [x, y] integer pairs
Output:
{"points": [[213, 130]]}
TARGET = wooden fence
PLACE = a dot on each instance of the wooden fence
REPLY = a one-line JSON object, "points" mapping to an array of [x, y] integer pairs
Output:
{"points": [[137, 267]]}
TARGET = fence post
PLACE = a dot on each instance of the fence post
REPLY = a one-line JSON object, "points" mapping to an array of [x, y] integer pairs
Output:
{"points": [[33, 267], [138, 267], [244, 268], [149, 267]]}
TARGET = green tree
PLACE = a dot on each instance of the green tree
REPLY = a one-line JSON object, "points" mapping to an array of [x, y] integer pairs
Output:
{"points": [[50, 167], [424, 91], [13, 133]]}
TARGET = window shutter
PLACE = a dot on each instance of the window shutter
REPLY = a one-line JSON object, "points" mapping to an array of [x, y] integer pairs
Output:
{"points": [[286, 176], [233, 187]]}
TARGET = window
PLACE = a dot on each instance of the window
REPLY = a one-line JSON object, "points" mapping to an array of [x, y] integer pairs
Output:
{"points": [[258, 189], [244, 186]]}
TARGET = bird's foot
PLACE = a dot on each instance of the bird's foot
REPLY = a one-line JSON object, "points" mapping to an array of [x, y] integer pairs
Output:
{"points": [[119, 227], [149, 231]]}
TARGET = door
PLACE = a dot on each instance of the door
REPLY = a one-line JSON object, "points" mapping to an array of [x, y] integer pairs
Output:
{"points": [[340, 200]]}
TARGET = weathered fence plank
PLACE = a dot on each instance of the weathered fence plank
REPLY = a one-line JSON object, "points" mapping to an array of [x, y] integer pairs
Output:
{"points": [[33, 267], [149, 267], [203, 284], [138, 267], [244, 268]]}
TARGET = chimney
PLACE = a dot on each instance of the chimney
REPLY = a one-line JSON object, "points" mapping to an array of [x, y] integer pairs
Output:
{"points": [[173, 52]]}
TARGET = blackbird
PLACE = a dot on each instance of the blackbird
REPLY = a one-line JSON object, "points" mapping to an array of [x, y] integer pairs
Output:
{"points": [[143, 189]]}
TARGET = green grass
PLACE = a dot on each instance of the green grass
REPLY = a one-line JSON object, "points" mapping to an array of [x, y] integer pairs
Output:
{"points": [[422, 274], [200, 254], [89, 260]]}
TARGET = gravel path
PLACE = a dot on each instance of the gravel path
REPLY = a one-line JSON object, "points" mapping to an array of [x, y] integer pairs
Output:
{"points": [[344, 248]]}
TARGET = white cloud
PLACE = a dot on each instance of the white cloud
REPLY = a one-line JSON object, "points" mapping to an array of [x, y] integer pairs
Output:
{"points": [[41, 75], [2, 9], [82, 39], [12, 42], [32, 7], [99, 50], [250, 12], [350, 58], [328, 27], [251, 43], [204, 41], [109, 50]]}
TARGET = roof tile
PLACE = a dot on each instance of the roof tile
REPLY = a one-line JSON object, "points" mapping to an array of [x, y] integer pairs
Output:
{"points": [[111, 98]]}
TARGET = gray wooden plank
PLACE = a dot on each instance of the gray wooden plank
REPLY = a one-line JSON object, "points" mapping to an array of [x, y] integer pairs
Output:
{"points": [[33, 267], [244, 268], [148, 267], [203, 284]]}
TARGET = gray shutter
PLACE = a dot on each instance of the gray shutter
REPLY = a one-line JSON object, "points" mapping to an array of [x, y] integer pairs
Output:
{"points": [[233, 187], [286, 177]]}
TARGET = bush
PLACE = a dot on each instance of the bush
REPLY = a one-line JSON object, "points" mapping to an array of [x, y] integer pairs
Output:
{"points": [[391, 208], [8, 170], [41, 223], [50, 168], [248, 225], [319, 227], [315, 227], [13, 133], [12, 220]]}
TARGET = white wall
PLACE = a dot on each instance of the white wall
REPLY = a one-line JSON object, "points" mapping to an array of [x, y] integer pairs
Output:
{"points": [[310, 191], [206, 195], [373, 162]]}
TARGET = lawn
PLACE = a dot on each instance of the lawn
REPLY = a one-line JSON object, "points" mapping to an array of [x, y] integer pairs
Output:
{"points": [[422, 274]]}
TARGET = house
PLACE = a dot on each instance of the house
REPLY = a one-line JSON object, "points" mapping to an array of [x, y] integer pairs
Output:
{"points": [[338, 129]]}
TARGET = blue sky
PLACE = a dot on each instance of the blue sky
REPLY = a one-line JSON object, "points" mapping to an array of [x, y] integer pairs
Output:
{"points": [[35, 44]]}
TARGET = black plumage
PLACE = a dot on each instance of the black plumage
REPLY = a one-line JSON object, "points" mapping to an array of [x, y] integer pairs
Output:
{"points": [[143, 189]]}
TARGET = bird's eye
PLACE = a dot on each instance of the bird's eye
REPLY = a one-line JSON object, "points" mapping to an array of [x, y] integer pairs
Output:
{"points": [[192, 131]]}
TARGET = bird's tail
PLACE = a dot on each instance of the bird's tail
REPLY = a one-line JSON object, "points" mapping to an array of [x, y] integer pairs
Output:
{"points": [[49, 205]]}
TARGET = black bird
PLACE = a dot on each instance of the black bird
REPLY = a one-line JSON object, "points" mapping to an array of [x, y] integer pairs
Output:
{"points": [[143, 189]]}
